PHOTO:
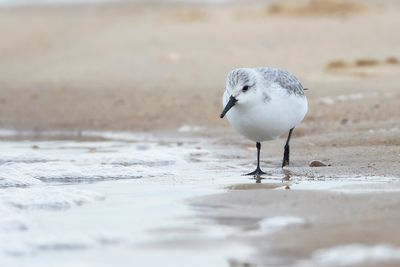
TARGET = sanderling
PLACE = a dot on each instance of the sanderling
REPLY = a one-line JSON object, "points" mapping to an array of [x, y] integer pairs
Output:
{"points": [[264, 103]]}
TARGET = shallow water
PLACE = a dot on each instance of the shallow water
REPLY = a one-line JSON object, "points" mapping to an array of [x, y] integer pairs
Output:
{"points": [[122, 200]]}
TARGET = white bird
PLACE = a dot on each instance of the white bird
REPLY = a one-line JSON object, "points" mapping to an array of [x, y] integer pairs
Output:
{"points": [[264, 103]]}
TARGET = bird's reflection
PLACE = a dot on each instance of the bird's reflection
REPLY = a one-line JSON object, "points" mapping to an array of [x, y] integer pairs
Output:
{"points": [[286, 177], [287, 174]]}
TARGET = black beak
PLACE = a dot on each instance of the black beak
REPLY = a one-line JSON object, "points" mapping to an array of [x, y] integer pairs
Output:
{"points": [[232, 101]]}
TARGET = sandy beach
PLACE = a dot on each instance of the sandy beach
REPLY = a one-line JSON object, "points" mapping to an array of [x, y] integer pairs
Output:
{"points": [[95, 74]]}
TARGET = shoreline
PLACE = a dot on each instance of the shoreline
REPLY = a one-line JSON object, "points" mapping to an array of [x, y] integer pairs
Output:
{"points": [[368, 153]]}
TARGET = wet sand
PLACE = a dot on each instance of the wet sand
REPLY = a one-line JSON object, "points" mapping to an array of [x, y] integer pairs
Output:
{"points": [[142, 68], [331, 219]]}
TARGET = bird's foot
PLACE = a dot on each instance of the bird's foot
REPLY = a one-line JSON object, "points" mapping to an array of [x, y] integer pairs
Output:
{"points": [[256, 173], [285, 162]]}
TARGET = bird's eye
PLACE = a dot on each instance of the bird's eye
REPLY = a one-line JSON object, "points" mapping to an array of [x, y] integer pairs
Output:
{"points": [[245, 88]]}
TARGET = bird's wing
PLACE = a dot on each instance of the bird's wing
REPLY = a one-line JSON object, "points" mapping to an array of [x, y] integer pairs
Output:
{"points": [[289, 82], [284, 78]]}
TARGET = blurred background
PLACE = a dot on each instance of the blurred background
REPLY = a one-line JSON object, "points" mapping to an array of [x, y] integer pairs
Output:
{"points": [[158, 65]]}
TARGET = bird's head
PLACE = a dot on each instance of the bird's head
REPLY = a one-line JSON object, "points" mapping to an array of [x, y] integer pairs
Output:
{"points": [[241, 88]]}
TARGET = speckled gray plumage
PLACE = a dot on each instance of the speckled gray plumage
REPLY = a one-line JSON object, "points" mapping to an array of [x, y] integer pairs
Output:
{"points": [[238, 75], [283, 77]]}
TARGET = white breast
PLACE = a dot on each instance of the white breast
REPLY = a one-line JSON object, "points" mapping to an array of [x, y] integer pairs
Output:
{"points": [[262, 121]]}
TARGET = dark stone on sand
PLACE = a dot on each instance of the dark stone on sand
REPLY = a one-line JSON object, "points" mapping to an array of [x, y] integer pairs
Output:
{"points": [[317, 163]]}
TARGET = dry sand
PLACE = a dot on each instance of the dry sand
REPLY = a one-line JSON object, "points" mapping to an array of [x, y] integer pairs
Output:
{"points": [[151, 68], [140, 67]]}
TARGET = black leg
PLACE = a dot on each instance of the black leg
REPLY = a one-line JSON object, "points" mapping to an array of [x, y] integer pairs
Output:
{"points": [[285, 161], [257, 172]]}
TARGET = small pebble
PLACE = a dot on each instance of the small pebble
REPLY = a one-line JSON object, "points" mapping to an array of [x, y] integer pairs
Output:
{"points": [[344, 121], [317, 163], [392, 60]]}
